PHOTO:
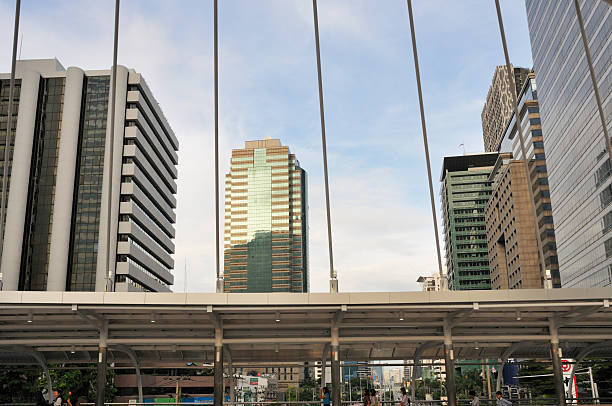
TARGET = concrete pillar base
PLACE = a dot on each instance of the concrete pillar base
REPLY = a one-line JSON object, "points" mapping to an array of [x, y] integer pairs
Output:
{"points": [[451, 389], [557, 374], [336, 392], [218, 378], [101, 376]]}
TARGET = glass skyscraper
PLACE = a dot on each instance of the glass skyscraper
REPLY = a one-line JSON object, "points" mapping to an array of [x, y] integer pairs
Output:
{"points": [[576, 155], [266, 229]]}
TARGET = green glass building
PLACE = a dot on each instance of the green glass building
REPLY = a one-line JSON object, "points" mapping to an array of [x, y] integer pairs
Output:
{"points": [[265, 245], [465, 191]]}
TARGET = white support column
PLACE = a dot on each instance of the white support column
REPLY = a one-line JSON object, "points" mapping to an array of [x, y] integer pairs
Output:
{"points": [[64, 188], [102, 268], [20, 176]]}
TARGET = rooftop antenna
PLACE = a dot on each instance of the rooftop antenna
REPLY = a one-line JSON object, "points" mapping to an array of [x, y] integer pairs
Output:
{"points": [[462, 146]]}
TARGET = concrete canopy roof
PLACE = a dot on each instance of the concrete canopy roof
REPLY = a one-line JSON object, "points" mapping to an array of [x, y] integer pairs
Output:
{"points": [[177, 327]]}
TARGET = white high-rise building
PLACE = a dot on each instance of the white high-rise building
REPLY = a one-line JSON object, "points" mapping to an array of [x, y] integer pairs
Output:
{"points": [[56, 222]]}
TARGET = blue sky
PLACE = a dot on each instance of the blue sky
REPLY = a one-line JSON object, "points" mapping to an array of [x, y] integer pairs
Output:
{"points": [[381, 218]]}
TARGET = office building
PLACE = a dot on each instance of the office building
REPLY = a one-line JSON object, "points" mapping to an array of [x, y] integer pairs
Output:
{"points": [[498, 108], [511, 230], [466, 188], [266, 229], [576, 155], [57, 212]]}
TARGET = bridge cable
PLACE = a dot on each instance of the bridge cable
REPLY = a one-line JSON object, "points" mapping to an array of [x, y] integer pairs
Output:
{"points": [[109, 284], [587, 52], [219, 281], [9, 132], [425, 143], [332, 277], [519, 130]]}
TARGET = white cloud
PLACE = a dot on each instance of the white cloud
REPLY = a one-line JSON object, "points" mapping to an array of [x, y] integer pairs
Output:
{"points": [[383, 237]]}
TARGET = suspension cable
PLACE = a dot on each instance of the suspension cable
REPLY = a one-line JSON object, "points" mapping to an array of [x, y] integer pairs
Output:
{"points": [[109, 285], [443, 285], [9, 131], [519, 130], [332, 277], [219, 281], [587, 52]]}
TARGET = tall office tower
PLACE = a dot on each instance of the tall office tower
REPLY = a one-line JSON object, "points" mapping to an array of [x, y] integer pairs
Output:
{"points": [[266, 229], [466, 188], [56, 224], [511, 232], [576, 155], [497, 110]]}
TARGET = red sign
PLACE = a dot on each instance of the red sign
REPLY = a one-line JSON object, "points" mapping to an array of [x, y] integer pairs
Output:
{"points": [[566, 366]]}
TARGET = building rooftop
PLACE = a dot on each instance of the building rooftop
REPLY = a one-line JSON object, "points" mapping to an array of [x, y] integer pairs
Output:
{"points": [[467, 161], [265, 143]]}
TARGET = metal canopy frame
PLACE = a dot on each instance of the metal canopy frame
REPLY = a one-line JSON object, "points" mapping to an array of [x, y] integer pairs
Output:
{"points": [[177, 327]]}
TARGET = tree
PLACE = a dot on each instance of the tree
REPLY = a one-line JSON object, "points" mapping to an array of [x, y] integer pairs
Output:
{"points": [[539, 386], [427, 385], [80, 382], [18, 384], [468, 380], [291, 394], [602, 375]]}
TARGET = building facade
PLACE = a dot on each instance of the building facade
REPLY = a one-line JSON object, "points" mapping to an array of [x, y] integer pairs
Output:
{"points": [[498, 108], [57, 210], [511, 235], [466, 188], [511, 230], [576, 156], [431, 283], [266, 229]]}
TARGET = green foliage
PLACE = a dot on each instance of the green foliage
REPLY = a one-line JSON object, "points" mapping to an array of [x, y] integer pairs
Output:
{"points": [[308, 383], [427, 385], [468, 380], [602, 375], [308, 393], [541, 386], [18, 384], [291, 394], [81, 382]]}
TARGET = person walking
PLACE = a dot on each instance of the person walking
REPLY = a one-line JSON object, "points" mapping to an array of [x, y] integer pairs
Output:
{"points": [[40, 399], [475, 399], [405, 401], [501, 401], [365, 395], [373, 399], [326, 397], [57, 399]]}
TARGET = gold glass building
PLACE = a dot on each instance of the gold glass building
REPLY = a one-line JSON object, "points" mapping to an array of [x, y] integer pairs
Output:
{"points": [[266, 232]]}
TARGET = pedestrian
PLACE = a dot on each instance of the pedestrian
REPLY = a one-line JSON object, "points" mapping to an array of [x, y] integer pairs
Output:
{"points": [[373, 398], [475, 399], [69, 399], [365, 395], [405, 401], [57, 398], [40, 400], [501, 401], [326, 398]]}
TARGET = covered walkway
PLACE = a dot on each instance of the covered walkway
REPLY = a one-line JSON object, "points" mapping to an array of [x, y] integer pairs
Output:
{"points": [[76, 327]]}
